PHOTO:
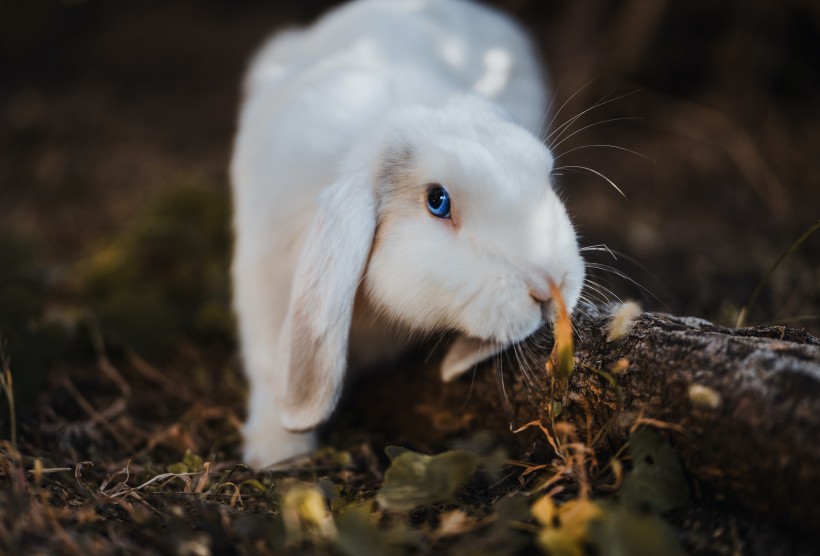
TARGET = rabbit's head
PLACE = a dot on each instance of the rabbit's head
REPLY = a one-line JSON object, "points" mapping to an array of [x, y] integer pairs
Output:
{"points": [[445, 220]]}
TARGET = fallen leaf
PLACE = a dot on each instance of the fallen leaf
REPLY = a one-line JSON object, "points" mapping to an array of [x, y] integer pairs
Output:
{"points": [[414, 480], [656, 480]]}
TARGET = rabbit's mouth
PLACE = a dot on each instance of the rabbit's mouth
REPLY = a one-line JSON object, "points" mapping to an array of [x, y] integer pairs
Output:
{"points": [[466, 353]]}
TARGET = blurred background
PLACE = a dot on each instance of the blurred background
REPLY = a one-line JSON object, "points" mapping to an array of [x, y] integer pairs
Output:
{"points": [[116, 123]]}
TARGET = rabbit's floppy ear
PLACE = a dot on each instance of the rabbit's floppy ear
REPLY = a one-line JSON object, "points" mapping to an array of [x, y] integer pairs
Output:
{"points": [[315, 333], [464, 354]]}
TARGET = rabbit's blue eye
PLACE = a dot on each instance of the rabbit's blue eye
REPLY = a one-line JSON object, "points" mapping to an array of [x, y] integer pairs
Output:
{"points": [[438, 201]]}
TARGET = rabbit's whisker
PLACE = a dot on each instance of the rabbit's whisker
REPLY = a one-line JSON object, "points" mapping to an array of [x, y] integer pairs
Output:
{"points": [[595, 293], [515, 348], [601, 289], [593, 296], [526, 356], [602, 145], [600, 247], [560, 130], [555, 116], [618, 273], [434, 347], [472, 379], [560, 140], [597, 173], [541, 126], [499, 377]]}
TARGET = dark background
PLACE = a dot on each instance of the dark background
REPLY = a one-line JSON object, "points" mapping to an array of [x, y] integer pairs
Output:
{"points": [[103, 104], [116, 123]]}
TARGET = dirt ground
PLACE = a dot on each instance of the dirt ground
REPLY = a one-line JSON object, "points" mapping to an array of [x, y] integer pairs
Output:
{"points": [[107, 106]]}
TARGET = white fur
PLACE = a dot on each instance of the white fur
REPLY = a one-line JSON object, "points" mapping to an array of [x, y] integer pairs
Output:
{"points": [[343, 127]]}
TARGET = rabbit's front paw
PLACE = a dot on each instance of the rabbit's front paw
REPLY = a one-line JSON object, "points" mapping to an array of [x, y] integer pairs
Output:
{"points": [[267, 443]]}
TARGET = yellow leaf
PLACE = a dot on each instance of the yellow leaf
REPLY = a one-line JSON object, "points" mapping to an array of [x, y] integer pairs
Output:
{"points": [[563, 351], [545, 511], [304, 511], [566, 529], [557, 542], [576, 516]]}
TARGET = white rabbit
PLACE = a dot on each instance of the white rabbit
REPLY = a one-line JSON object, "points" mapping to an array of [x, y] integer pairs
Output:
{"points": [[388, 184]]}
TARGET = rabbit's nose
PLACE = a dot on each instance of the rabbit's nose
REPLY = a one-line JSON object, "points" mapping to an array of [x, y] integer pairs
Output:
{"points": [[540, 295], [544, 300]]}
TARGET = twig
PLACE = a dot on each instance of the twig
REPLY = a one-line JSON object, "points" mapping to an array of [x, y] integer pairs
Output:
{"points": [[655, 423], [94, 414], [8, 388], [47, 470], [78, 475], [128, 490], [149, 372], [103, 362]]}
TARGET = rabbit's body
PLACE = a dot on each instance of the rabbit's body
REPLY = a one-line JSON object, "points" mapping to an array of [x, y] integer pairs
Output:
{"points": [[344, 127]]}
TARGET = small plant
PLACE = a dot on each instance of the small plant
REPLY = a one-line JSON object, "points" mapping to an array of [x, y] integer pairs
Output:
{"points": [[744, 311], [7, 386]]}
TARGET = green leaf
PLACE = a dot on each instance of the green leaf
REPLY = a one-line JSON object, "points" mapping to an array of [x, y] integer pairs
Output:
{"points": [[339, 496], [253, 483], [512, 507], [192, 461], [415, 480], [626, 533], [656, 480], [357, 535], [495, 463], [394, 451], [177, 467]]}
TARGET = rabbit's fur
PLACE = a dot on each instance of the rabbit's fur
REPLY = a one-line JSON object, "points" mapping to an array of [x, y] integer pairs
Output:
{"points": [[337, 261]]}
